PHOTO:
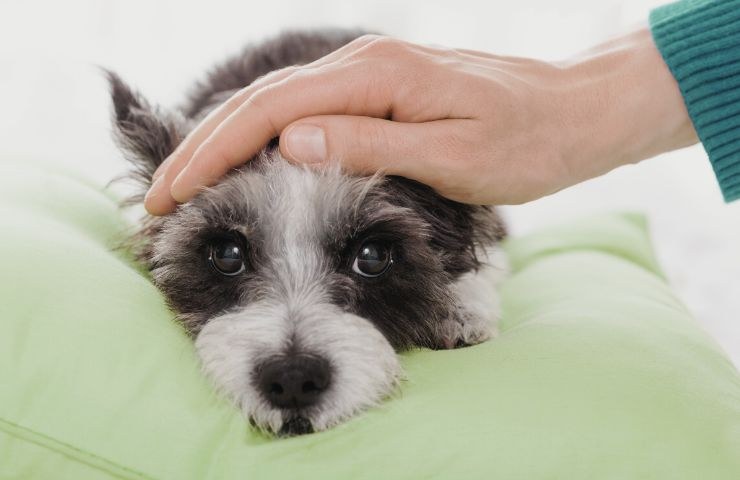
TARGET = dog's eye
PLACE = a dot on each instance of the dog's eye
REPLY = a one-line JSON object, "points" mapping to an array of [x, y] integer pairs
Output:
{"points": [[227, 257], [373, 259]]}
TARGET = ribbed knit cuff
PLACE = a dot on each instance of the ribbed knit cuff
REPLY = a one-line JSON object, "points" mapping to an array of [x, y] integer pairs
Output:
{"points": [[700, 42]]}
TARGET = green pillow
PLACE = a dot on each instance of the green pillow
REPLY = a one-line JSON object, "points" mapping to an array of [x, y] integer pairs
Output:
{"points": [[599, 372]]}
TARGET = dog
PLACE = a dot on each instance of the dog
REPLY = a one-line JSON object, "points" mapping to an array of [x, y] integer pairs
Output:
{"points": [[300, 286]]}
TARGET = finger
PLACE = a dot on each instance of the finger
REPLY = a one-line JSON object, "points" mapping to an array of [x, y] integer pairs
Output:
{"points": [[429, 152], [158, 200], [196, 137], [356, 89]]}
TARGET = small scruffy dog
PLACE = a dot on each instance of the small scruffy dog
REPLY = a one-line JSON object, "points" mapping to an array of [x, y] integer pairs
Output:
{"points": [[299, 286]]}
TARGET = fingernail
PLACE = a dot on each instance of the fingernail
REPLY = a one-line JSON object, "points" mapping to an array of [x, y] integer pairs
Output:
{"points": [[154, 189], [306, 143]]}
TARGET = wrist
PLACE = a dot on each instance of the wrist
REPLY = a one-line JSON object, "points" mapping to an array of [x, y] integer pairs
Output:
{"points": [[622, 106]]}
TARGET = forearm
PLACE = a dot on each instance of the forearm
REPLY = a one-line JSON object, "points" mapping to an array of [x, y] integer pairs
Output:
{"points": [[477, 127], [621, 105]]}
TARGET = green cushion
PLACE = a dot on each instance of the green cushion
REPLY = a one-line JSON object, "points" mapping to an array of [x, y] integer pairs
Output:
{"points": [[600, 372]]}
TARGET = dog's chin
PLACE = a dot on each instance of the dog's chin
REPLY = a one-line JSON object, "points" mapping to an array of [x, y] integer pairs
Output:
{"points": [[296, 426], [294, 422], [283, 422]]}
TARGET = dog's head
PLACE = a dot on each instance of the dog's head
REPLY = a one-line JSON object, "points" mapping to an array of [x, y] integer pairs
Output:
{"points": [[299, 285]]}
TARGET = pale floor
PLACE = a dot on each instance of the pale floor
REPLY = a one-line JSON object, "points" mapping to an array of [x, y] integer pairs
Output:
{"points": [[54, 103]]}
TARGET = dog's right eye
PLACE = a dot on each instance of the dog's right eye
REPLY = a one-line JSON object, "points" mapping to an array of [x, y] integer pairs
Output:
{"points": [[373, 259], [227, 258]]}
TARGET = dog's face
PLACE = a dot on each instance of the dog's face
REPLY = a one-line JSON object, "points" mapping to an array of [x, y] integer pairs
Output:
{"points": [[299, 286]]}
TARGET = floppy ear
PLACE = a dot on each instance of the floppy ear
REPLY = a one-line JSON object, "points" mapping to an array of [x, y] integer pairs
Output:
{"points": [[146, 134], [459, 229]]}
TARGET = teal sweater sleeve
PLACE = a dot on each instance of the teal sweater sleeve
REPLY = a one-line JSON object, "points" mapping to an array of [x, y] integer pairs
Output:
{"points": [[700, 42]]}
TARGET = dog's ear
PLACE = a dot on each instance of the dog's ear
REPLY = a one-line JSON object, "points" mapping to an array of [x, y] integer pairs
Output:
{"points": [[145, 133], [458, 229]]}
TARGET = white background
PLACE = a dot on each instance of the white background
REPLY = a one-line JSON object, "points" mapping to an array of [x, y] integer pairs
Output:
{"points": [[53, 101]]}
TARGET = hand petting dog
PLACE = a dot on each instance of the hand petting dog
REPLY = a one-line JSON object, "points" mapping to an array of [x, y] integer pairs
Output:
{"points": [[476, 127]]}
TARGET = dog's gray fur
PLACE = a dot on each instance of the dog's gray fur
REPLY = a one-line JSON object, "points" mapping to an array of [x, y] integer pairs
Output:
{"points": [[301, 230]]}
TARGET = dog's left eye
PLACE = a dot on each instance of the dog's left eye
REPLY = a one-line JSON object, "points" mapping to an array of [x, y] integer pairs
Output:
{"points": [[227, 258], [373, 259]]}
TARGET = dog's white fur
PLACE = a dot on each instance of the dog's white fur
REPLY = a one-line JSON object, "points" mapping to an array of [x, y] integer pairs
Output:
{"points": [[299, 310]]}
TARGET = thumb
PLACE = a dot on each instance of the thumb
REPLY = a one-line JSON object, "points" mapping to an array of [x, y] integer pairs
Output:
{"points": [[365, 145]]}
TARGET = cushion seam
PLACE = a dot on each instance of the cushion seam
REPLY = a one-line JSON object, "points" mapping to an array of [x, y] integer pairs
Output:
{"points": [[88, 458]]}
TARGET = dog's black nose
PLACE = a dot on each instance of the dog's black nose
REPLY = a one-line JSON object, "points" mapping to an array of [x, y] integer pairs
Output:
{"points": [[293, 381]]}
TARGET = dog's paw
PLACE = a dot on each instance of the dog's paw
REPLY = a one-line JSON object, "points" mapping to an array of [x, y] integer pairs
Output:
{"points": [[475, 317], [465, 331]]}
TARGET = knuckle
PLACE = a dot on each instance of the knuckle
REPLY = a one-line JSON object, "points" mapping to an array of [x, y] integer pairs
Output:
{"points": [[386, 46], [273, 77], [302, 73], [237, 98], [281, 73], [365, 39], [260, 102]]}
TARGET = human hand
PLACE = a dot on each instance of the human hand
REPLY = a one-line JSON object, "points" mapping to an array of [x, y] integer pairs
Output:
{"points": [[476, 127]]}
